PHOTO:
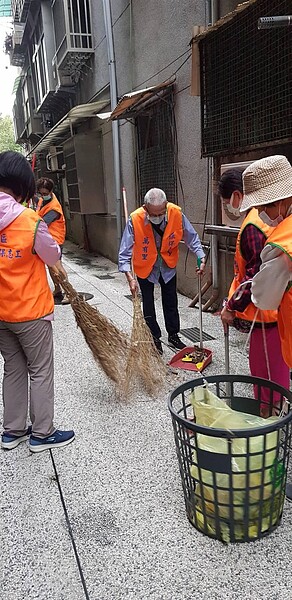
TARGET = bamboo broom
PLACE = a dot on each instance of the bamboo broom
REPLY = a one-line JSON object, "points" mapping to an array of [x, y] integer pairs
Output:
{"points": [[144, 365], [107, 343]]}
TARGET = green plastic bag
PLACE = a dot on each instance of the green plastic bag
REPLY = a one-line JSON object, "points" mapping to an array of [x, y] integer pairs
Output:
{"points": [[264, 470]]}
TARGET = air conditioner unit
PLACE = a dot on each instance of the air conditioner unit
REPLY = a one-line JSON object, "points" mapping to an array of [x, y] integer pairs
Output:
{"points": [[229, 218], [17, 35], [54, 158]]}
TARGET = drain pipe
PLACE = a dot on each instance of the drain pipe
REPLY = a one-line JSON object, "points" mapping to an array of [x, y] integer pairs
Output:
{"points": [[213, 243], [114, 100], [213, 17], [214, 11]]}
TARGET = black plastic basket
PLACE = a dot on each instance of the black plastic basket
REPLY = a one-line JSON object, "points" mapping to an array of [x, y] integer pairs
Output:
{"points": [[221, 502]]}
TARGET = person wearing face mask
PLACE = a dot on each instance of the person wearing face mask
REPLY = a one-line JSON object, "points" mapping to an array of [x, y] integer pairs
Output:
{"points": [[230, 190], [268, 186], [26, 313], [239, 311], [50, 209], [150, 240]]}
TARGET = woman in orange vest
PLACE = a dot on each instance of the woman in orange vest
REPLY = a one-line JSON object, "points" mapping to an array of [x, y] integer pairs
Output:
{"points": [[267, 186], [265, 356], [26, 313], [50, 209], [151, 239]]}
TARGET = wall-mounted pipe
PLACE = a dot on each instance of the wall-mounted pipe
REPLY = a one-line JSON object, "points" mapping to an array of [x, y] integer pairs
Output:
{"points": [[213, 17], [115, 124], [215, 11]]}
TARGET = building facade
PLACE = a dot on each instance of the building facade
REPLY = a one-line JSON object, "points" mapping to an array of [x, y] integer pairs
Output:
{"points": [[68, 66]]}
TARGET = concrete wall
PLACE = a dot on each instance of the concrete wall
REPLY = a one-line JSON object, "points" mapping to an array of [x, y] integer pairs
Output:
{"points": [[226, 6], [148, 39], [148, 36]]}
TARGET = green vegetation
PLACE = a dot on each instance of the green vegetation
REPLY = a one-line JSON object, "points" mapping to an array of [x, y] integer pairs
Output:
{"points": [[7, 135]]}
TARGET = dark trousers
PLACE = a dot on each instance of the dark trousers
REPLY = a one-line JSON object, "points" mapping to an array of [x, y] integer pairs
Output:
{"points": [[169, 305]]}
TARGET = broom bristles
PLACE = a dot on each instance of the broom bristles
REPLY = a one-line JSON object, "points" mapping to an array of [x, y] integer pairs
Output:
{"points": [[107, 343], [127, 362], [144, 363]]}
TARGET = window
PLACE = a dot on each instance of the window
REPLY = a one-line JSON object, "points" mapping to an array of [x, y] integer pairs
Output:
{"points": [[38, 62], [156, 149]]}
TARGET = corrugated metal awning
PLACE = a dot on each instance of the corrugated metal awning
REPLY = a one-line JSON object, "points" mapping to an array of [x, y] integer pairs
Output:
{"points": [[77, 114], [5, 8], [132, 103]]}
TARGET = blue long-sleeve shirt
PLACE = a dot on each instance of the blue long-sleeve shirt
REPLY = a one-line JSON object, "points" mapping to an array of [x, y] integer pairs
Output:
{"points": [[190, 237]]}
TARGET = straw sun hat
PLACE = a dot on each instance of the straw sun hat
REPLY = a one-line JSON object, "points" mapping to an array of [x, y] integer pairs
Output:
{"points": [[266, 181]]}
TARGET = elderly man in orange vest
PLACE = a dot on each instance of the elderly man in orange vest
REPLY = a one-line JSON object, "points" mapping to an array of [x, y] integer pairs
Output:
{"points": [[151, 239]]}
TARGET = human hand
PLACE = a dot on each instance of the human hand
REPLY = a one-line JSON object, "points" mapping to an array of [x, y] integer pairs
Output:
{"points": [[227, 317], [133, 285], [201, 264], [59, 271]]}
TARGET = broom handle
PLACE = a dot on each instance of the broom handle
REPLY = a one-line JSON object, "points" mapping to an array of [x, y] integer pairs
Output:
{"points": [[125, 204], [126, 217], [200, 304]]}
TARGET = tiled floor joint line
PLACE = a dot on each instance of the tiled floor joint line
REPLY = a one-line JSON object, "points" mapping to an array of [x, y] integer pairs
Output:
{"points": [[86, 594]]}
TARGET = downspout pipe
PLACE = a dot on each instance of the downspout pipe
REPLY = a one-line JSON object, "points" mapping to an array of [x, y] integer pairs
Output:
{"points": [[215, 11], [213, 17], [114, 100]]}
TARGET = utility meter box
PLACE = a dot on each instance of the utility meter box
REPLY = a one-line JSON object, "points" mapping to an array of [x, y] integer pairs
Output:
{"points": [[84, 173]]}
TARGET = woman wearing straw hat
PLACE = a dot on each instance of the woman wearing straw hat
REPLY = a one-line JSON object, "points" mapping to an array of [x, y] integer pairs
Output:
{"points": [[267, 185], [265, 356]]}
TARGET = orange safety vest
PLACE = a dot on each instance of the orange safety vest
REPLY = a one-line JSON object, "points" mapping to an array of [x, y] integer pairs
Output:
{"points": [[57, 229], [145, 251], [24, 290], [266, 316], [282, 238]]}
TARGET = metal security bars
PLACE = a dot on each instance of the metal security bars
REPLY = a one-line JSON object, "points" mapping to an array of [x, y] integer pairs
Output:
{"points": [[20, 10], [156, 148], [246, 82], [72, 25]]}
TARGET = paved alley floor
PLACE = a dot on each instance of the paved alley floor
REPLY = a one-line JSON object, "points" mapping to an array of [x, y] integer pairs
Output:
{"points": [[104, 518]]}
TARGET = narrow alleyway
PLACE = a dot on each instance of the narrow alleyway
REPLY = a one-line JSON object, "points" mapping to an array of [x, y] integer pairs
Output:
{"points": [[104, 518]]}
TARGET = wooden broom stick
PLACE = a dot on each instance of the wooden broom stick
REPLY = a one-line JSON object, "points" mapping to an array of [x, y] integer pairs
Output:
{"points": [[126, 213]]}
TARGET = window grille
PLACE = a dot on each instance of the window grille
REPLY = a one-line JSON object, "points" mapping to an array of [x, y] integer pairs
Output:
{"points": [[156, 148], [72, 25], [246, 82]]}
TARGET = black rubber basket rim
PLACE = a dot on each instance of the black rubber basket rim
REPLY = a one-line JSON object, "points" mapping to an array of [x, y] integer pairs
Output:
{"points": [[230, 433]]}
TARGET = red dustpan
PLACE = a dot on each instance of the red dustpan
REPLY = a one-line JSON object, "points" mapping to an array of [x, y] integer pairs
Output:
{"points": [[193, 358]]}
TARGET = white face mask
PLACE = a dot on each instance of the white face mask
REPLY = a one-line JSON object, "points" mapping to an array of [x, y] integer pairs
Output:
{"points": [[231, 209], [234, 211], [271, 222], [156, 220]]}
